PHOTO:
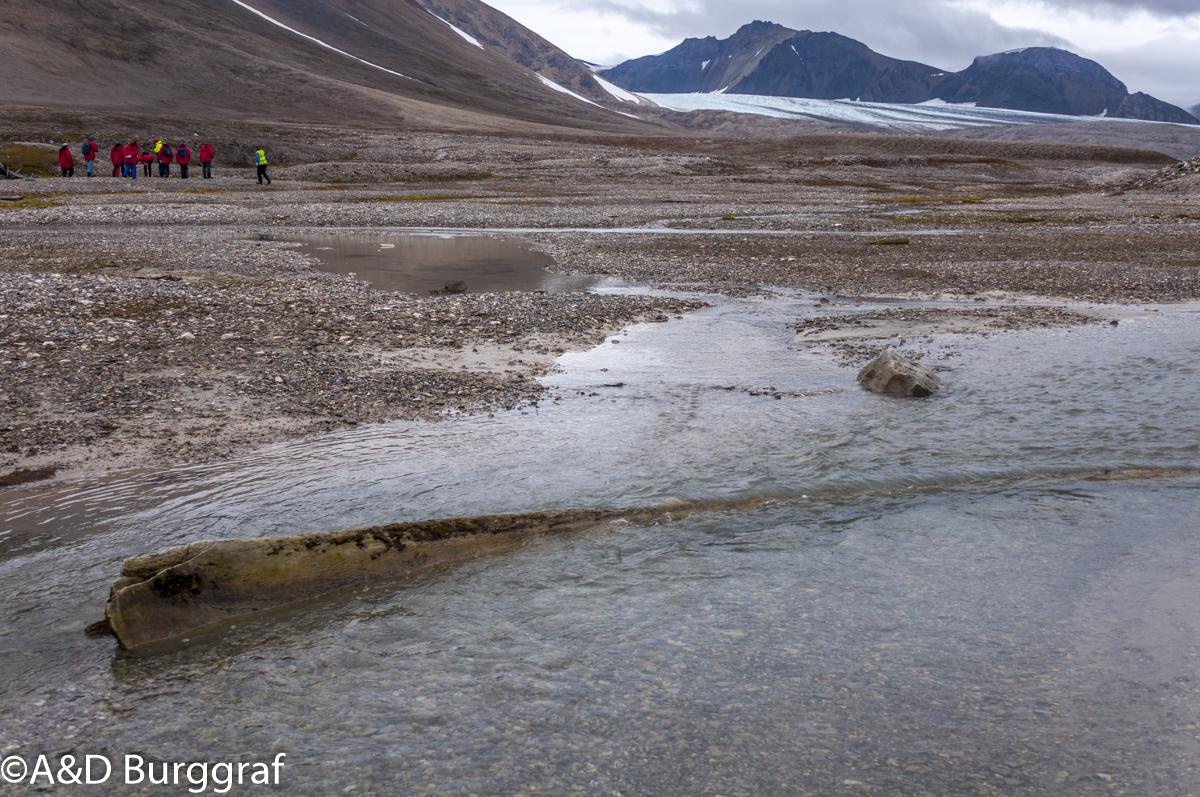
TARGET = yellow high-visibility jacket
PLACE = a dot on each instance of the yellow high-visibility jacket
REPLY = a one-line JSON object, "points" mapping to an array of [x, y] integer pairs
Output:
{"points": [[260, 158]]}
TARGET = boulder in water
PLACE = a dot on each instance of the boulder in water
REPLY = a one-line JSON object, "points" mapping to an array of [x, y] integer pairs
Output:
{"points": [[457, 286], [892, 374]]}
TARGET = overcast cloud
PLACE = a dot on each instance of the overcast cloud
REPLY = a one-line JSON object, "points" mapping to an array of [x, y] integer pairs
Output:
{"points": [[1152, 45]]}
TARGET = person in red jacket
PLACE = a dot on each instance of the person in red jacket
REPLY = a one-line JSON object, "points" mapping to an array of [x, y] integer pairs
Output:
{"points": [[206, 158], [183, 156], [164, 160], [131, 153], [65, 161], [147, 163], [89, 155], [117, 155]]}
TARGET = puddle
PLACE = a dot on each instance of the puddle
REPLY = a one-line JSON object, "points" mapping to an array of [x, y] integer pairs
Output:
{"points": [[420, 263]]}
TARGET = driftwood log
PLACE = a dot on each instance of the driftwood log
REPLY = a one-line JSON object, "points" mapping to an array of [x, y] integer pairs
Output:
{"points": [[165, 596]]}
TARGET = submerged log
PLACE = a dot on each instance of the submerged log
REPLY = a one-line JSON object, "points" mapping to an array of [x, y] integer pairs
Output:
{"points": [[164, 596]]}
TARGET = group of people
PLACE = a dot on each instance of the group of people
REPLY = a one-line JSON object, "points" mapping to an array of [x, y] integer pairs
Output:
{"points": [[126, 158]]}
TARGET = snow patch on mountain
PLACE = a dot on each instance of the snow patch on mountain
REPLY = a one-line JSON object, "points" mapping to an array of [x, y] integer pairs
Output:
{"points": [[458, 30], [551, 84], [937, 101], [318, 41], [618, 92]]}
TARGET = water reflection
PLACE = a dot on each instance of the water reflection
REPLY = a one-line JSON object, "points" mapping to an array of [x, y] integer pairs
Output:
{"points": [[420, 263]]}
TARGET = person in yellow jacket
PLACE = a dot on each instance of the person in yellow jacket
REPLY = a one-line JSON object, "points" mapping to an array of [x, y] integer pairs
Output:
{"points": [[260, 160]]}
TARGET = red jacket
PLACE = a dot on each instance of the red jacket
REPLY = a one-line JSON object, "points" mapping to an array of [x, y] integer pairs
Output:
{"points": [[64, 158], [90, 154], [183, 155], [164, 154], [206, 153], [117, 154], [147, 157], [131, 153]]}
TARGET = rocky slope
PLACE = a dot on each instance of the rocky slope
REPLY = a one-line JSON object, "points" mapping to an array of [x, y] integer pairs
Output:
{"points": [[768, 59], [316, 61]]}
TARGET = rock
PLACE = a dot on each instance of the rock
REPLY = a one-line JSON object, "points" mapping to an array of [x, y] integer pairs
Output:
{"points": [[891, 374], [457, 286]]}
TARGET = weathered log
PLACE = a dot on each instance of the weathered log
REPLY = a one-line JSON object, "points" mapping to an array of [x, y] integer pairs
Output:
{"points": [[163, 597], [167, 595]]}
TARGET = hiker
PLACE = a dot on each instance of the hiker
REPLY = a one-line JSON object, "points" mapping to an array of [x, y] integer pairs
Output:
{"points": [[164, 159], [147, 158], [206, 157], [183, 156], [65, 161], [89, 155], [130, 152], [117, 155], [260, 159]]}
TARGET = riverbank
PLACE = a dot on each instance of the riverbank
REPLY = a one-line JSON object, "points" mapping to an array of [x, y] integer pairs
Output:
{"points": [[206, 347], [139, 329]]}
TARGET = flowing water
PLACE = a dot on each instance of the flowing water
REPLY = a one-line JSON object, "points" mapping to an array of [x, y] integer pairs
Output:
{"points": [[941, 601]]}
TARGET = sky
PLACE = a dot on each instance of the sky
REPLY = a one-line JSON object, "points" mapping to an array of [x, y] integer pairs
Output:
{"points": [[1151, 45]]}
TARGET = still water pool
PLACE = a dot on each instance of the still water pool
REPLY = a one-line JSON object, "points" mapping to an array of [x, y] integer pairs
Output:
{"points": [[415, 262], [962, 610]]}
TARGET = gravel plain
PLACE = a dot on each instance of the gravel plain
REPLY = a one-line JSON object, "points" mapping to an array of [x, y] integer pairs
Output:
{"points": [[136, 328]]}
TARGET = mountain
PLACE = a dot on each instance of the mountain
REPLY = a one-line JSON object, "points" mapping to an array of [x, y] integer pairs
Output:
{"points": [[504, 34], [765, 58], [768, 59], [1049, 80], [1195, 110], [393, 62]]}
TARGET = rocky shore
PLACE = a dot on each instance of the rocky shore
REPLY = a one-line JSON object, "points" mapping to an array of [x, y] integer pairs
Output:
{"points": [[227, 344], [863, 335], [141, 324]]}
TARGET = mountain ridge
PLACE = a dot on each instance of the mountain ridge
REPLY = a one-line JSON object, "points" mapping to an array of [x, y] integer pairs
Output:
{"points": [[384, 62], [790, 63]]}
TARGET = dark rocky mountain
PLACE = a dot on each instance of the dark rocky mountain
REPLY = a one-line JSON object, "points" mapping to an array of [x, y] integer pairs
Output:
{"points": [[768, 59], [1050, 80], [388, 62], [1195, 110]]}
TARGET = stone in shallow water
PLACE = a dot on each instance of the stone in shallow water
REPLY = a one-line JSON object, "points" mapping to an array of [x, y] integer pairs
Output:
{"points": [[892, 374]]}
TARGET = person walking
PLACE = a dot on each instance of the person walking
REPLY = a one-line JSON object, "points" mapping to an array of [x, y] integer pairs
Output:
{"points": [[206, 158], [131, 152], [89, 155], [260, 160], [183, 156], [65, 161], [117, 156], [147, 163], [164, 159]]}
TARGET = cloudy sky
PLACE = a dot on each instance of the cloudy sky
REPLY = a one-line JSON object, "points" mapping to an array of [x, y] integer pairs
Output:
{"points": [[1151, 45]]}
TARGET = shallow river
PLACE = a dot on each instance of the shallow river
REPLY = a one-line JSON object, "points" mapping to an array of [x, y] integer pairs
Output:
{"points": [[940, 602]]}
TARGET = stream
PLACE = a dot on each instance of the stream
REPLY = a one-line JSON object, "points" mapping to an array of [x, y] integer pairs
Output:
{"points": [[942, 599]]}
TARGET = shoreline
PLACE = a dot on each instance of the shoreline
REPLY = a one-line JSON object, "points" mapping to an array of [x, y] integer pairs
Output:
{"points": [[132, 334]]}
